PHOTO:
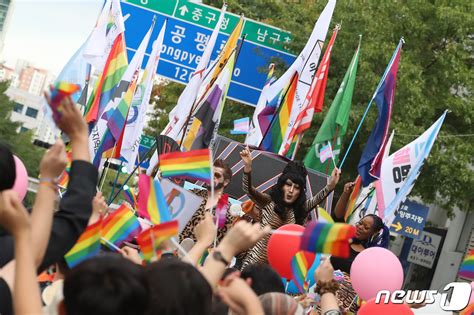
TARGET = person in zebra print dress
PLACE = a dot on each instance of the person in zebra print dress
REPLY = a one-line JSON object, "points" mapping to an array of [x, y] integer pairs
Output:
{"points": [[286, 203]]}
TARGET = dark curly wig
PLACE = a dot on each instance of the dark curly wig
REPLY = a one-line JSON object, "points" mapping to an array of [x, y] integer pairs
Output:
{"points": [[296, 172]]}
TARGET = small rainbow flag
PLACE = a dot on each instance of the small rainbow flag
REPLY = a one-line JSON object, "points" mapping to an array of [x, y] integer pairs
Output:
{"points": [[193, 165], [120, 226], [300, 266], [87, 246], [63, 179], [351, 204], [61, 90], [467, 267], [130, 197], [152, 203], [150, 239], [328, 238]]}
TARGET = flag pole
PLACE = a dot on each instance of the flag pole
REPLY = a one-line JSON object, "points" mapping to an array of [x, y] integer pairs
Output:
{"points": [[115, 181], [400, 43], [196, 103], [332, 155], [297, 145]]}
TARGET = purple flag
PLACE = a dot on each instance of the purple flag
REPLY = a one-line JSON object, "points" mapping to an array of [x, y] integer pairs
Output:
{"points": [[371, 159]]}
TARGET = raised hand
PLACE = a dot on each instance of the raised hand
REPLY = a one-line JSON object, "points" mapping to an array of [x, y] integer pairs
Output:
{"points": [[54, 161], [99, 207], [348, 187], [13, 216], [247, 159], [242, 236], [206, 230], [334, 179], [324, 272]]}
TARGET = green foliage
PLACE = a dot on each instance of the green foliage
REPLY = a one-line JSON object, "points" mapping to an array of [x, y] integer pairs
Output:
{"points": [[435, 74], [20, 143]]}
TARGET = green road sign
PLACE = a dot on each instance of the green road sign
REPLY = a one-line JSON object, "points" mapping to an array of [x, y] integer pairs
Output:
{"points": [[207, 16]]}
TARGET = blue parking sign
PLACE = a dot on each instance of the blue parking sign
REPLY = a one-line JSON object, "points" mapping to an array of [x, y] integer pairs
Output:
{"points": [[410, 219]]}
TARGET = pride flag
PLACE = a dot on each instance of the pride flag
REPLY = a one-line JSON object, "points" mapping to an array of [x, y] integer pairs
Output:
{"points": [[152, 203], [351, 204], [241, 126], [328, 238], [120, 226], [108, 81], [193, 165], [63, 179], [273, 139], [467, 267], [150, 239], [130, 196], [87, 246], [300, 266]]}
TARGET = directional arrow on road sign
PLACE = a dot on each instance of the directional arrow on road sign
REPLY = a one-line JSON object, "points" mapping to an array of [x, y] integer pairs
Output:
{"points": [[183, 10], [397, 226]]}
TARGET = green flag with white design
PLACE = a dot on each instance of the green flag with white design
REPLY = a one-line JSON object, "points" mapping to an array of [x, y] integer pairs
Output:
{"points": [[334, 126]]}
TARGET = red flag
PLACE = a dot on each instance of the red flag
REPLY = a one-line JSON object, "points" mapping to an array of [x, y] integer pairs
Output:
{"points": [[315, 97]]}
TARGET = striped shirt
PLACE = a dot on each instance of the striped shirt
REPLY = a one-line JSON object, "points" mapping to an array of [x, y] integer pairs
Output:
{"points": [[264, 213]]}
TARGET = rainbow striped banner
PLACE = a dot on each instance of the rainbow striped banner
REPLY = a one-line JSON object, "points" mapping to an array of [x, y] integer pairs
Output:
{"points": [[328, 238], [273, 139], [152, 203], [193, 165], [87, 246], [120, 226], [300, 266], [108, 81], [130, 197], [150, 239], [467, 267]]}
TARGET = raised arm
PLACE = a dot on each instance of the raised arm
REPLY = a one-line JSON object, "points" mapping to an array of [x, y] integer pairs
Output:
{"points": [[15, 219], [261, 199], [312, 202], [341, 205], [51, 166]]}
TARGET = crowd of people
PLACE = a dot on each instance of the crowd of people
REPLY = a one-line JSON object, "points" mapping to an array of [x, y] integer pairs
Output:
{"points": [[34, 240]]}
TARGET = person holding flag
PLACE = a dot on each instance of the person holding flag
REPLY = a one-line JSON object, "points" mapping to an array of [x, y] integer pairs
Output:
{"points": [[286, 204]]}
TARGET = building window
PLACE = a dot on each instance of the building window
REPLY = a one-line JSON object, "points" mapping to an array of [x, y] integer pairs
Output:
{"points": [[31, 112], [23, 129], [18, 108]]}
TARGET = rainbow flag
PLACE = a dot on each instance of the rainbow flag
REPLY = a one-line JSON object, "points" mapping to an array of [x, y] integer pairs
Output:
{"points": [[193, 165], [467, 267], [108, 80], [328, 238], [63, 179], [152, 203], [351, 204], [324, 216], [150, 239], [120, 226], [130, 197], [87, 246], [274, 137], [300, 266]]}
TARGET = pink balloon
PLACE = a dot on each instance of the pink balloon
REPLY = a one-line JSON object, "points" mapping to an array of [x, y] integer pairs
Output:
{"points": [[376, 269], [21, 180]]}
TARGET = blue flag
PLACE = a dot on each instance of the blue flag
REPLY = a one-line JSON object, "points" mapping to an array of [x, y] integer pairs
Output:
{"points": [[371, 159]]}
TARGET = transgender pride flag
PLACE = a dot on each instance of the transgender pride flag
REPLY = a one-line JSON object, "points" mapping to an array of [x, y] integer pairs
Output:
{"points": [[241, 126]]}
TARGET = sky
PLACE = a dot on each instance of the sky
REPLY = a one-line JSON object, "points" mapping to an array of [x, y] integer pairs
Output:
{"points": [[48, 32]]}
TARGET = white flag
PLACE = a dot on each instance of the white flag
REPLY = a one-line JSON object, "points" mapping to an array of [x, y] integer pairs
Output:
{"points": [[137, 114], [400, 170], [178, 116], [305, 65], [109, 25]]}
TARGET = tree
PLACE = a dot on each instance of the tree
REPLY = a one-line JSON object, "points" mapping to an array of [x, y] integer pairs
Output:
{"points": [[434, 75], [19, 143]]}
